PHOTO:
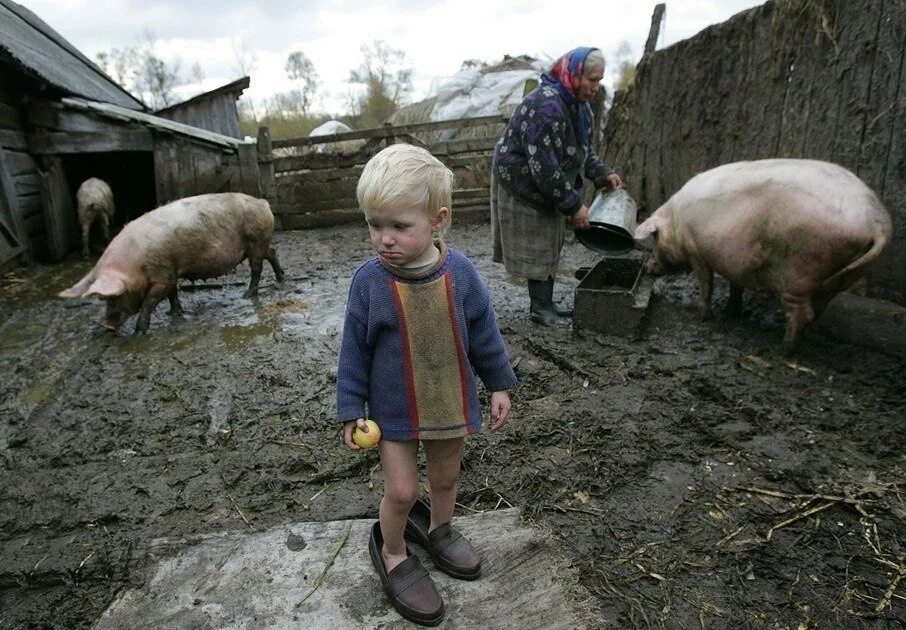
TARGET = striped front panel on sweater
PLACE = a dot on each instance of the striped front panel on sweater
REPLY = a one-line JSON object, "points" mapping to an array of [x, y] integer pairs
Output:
{"points": [[434, 358]]}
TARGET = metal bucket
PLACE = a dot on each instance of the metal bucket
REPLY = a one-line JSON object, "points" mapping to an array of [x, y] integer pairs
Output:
{"points": [[612, 219]]}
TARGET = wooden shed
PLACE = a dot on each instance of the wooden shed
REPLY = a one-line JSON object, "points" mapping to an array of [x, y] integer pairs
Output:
{"points": [[63, 120], [214, 110]]}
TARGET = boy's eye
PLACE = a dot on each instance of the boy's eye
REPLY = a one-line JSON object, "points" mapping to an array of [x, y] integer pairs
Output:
{"points": [[400, 226]]}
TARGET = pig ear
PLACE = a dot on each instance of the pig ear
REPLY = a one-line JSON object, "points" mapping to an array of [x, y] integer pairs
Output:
{"points": [[646, 234], [107, 287], [78, 289]]}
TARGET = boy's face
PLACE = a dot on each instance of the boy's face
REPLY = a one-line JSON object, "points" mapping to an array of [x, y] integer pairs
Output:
{"points": [[401, 236]]}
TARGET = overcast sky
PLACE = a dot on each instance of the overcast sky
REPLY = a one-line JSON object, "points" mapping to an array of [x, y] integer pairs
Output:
{"points": [[435, 36]]}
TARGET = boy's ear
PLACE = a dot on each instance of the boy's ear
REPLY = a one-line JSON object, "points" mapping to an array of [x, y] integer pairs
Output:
{"points": [[441, 218]]}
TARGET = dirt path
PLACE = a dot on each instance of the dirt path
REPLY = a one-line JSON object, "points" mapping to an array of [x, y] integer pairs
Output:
{"points": [[662, 465]]}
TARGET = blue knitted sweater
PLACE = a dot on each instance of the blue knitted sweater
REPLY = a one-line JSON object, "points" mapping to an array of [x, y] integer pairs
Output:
{"points": [[410, 346]]}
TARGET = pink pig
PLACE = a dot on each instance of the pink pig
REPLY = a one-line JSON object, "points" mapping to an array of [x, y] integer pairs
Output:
{"points": [[194, 238], [802, 229]]}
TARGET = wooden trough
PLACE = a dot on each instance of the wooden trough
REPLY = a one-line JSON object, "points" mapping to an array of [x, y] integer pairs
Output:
{"points": [[613, 296]]}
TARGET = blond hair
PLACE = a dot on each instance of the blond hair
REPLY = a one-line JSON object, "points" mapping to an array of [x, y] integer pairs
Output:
{"points": [[405, 176]]}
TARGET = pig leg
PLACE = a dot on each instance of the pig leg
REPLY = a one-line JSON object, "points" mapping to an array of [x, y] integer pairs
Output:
{"points": [[256, 262], [734, 304], [799, 314], [271, 257], [705, 277], [105, 226], [156, 292], [175, 306], [86, 227]]}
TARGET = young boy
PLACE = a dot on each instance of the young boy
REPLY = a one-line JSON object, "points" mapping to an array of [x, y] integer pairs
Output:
{"points": [[418, 321]]}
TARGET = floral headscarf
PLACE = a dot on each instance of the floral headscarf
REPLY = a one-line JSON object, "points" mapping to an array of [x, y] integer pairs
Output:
{"points": [[564, 75]]}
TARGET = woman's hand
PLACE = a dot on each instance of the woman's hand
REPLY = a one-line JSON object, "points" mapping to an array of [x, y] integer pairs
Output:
{"points": [[347, 433], [500, 410], [615, 181], [580, 218]]}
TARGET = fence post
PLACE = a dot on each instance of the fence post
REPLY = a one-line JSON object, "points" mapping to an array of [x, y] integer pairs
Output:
{"points": [[266, 177]]}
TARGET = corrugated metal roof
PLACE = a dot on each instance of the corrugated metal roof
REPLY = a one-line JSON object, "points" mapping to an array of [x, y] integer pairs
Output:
{"points": [[156, 122], [42, 51]]}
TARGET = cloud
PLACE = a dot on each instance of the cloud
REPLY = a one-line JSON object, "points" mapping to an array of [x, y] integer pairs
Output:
{"points": [[436, 36]]}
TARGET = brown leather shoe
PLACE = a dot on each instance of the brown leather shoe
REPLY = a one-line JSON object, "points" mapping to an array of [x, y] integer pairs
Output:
{"points": [[408, 586], [451, 552]]}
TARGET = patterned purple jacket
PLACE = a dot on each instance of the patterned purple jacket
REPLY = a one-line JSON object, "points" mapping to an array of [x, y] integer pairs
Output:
{"points": [[540, 159]]}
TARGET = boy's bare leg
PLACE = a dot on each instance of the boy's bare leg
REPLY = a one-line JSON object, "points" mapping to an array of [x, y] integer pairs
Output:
{"points": [[443, 477], [399, 461]]}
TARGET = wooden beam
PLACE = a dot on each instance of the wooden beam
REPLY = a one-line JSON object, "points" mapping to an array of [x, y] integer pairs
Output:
{"points": [[12, 230], [318, 161], [469, 145], [9, 118], [13, 140], [59, 215], [389, 131], [266, 179], [62, 142], [655, 30]]}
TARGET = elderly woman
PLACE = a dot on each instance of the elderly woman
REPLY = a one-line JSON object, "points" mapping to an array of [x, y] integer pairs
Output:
{"points": [[536, 177]]}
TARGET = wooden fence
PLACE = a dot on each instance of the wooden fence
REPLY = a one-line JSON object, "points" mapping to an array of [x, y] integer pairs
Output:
{"points": [[311, 182]]}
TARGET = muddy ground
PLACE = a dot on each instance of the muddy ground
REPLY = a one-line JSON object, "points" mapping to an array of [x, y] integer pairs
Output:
{"points": [[694, 476]]}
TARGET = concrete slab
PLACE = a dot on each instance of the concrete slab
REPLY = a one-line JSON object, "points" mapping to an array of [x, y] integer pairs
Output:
{"points": [[245, 580]]}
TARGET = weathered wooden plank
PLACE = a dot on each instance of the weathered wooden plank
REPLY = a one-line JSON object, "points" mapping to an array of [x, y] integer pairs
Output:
{"points": [[33, 226], [468, 193], [389, 131], [12, 230], [59, 215], [314, 161], [10, 118], [319, 219], [30, 205], [60, 142], [27, 184], [247, 163], [654, 30], [469, 145], [165, 160], [14, 140], [20, 162], [880, 123], [266, 177], [858, 40], [348, 203], [44, 114]]}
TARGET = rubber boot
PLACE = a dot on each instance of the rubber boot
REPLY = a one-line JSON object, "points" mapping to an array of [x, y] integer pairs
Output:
{"points": [[541, 308]]}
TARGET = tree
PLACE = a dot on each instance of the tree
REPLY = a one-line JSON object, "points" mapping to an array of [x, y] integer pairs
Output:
{"points": [[385, 80], [300, 69], [140, 71], [625, 69], [244, 62]]}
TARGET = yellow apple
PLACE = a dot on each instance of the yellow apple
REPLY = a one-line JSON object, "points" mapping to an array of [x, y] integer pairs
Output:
{"points": [[369, 439]]}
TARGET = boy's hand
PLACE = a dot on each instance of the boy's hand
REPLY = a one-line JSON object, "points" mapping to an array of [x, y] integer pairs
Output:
{"points": [[500, 410], [347, 433]]}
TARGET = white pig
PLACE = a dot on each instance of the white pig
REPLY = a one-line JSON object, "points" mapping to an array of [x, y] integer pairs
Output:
{"points": [[801, 229], [95, 201], [194, 238]]}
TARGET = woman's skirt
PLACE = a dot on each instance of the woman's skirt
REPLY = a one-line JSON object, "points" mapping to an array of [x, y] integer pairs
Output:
{"points": [[526, 241]]}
